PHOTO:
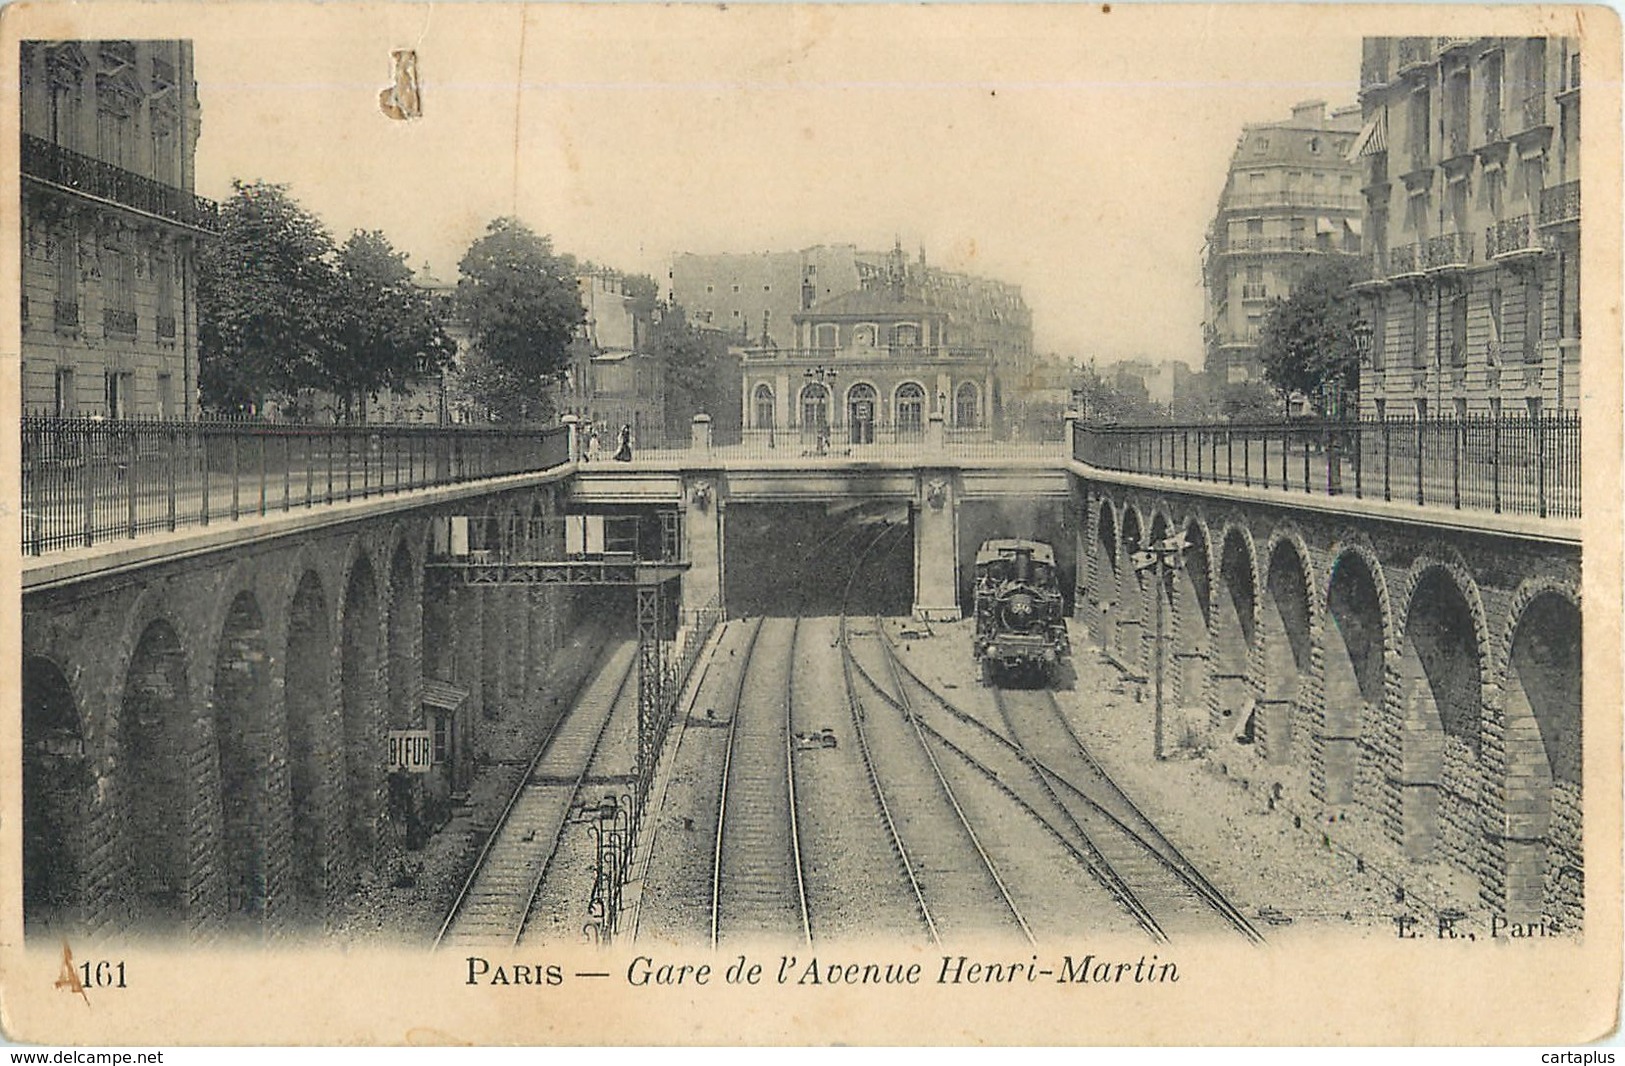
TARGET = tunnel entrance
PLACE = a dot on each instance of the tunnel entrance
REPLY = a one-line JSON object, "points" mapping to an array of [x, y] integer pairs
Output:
{"points": [[1042, 520], [797, 558]]}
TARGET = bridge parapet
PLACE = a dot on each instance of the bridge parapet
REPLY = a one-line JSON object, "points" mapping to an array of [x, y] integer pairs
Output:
{"points": [[1503, 466], [92, 480]]}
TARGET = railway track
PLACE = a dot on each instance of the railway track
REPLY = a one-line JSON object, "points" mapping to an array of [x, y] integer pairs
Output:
{"points": [[757, 885], [1183, 901], [929, 827], [496, 899], [1163, 891]]}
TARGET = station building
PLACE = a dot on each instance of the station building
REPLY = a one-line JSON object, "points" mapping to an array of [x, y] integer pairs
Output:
{"points": [[1471, 158], [876, 343], [110, 228]]}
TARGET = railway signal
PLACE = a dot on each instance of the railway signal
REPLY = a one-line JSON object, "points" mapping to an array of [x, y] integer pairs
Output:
{"points": [[1162, 559]]}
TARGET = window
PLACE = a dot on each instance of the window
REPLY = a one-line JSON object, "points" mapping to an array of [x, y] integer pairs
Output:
{"points": [[965, 406], [164, 268], [442, 737], [1314, 145], [166, 401], [736, 288], [1420, 145], [1491, 191], [763, 404], [1492, 355], [910, 410], [1457, 134], [1460, 405], [767, 288], [1492, 96], [1421, 407], [67, 276], [710, 288], [1458, 328], [119, 393], [65, 403], [1532, 296], [1419, 330], [1379, 330]]}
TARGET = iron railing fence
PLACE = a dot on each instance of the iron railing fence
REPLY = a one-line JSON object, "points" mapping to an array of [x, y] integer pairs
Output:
{"points": [[86, 480], [1506, 465]]}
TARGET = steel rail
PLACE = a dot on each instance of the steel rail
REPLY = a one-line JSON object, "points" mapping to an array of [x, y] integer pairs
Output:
{"points": [[953, 801], [855, 707], [507, 809], [575, 791], [727, 764]]}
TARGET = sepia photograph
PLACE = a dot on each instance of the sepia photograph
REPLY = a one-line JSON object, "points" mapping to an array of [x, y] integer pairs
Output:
{"points": [[806, 524]]}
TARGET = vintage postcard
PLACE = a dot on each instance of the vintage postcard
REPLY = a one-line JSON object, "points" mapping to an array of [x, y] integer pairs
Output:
{"points": [[809, 524]]}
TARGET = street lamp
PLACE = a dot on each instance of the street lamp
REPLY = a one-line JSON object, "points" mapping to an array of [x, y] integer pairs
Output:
{"points": [[1162, 559]]}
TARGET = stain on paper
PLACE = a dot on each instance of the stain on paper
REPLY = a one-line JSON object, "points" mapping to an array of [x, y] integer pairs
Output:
{"points": [[402, 100]]}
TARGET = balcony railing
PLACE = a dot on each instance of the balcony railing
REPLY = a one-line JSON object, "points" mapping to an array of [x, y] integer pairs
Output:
{"points": [[1522, 465], [86, 480], [1560, 203], [932, 352], [1405, 259], [1256, 245], [1448, 250], [1330, 200], [51, 163], [118, 323], [1253, 291], [1509, 237]]}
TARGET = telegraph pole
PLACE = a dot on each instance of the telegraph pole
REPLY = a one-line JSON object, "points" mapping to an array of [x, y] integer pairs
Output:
{"points": [[1162, 559]]}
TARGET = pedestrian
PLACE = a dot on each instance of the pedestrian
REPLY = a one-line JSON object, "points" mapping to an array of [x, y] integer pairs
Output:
{"points": [[592, 445], [623, 445]]}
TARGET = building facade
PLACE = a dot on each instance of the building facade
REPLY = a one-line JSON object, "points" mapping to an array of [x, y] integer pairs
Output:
{"points": [[862, 346], [1471, 158], [611, 381], [1290, 200], [110, 228]]}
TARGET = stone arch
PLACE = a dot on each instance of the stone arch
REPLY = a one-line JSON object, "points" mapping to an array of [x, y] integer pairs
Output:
{"points": [[244, 732], [360, 659], [57, 785], [315, 730], [1542, 726], [1441, 675], [156, 733], [1287, 618], [1355, 677], [1235, 623]]}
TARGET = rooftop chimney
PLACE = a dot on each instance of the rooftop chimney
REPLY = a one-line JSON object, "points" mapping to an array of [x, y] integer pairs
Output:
{"points": [[1309, 113]]}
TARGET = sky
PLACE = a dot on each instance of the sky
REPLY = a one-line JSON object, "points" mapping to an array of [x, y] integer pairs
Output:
{"points": [[1076, 151]]}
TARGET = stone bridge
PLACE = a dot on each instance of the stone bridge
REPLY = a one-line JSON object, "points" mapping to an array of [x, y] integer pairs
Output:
{"points": [[205, 711]]}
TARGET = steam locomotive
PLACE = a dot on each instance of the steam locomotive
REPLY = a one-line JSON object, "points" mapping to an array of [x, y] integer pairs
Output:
{"points": [[1020, 618]]}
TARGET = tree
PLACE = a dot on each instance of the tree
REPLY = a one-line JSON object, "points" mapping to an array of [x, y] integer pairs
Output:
{"points": [[387, 331], [1308, 341], [522, 307], [264, 288]]}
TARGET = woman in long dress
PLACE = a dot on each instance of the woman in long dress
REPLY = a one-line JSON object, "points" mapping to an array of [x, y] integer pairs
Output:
{"points": [[623, 445]]}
